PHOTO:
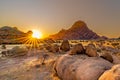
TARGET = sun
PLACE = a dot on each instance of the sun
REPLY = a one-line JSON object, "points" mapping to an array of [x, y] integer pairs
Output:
{"points": [[36, 34]]}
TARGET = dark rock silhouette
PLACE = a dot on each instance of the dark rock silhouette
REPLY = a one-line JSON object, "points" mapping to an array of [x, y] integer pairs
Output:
{"points": [[79, 30]]}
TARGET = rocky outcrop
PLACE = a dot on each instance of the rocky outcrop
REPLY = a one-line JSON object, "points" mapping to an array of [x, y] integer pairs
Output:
{"points": [[85, 63], [7, 32], [15, 51], [91, 50], [79, 30], [112, 74], [65, 46], [52, 48], [11, 35], [70, 67], [77, 49], [107, 56]]}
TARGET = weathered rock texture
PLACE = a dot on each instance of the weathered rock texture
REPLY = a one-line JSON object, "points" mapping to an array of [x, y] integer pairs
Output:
{"points": [[65, 46], [112, 74], [91, 50], [15, 51], [72, 68], [77, 49], [107, 56]]}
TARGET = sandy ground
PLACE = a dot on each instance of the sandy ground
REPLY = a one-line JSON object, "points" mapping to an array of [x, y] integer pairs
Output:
{"points": [[28, 67]]}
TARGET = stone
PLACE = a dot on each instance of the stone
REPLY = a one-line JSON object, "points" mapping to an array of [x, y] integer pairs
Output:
{"points": [[107, 56], [65, 46], [55, 48], [69, 67], [52, 48], [48, 47], [112, 74], [77, 49], [18, 51], [3, 46], [91, 51]]}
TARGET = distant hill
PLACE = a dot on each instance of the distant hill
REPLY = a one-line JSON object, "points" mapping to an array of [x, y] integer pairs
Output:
{"points": [[10, 34], [5, 30], [79, 30]]}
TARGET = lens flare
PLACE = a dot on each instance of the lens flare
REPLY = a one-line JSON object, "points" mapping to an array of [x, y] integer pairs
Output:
{"points": [[31, 40], [36, 34]]}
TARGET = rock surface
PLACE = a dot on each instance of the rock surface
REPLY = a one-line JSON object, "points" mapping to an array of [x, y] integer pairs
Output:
{"points": [[77, 49], [91, 50], [11, 35], [112, 74], [79, 30], [15, 51], [72, 68], [107, 56], [65, 46]]}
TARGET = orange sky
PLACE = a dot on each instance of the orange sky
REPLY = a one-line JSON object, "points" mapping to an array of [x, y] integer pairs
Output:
{"points": [[50, 16]]}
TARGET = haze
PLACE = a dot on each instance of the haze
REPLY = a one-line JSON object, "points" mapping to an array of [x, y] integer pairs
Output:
{"points": [[50, 16]]}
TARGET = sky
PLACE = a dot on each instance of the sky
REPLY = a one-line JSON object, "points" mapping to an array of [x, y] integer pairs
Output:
{"points": [[50, 16]]}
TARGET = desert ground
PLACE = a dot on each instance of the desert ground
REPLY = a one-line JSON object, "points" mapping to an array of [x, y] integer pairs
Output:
{"points": [[25, 63]]}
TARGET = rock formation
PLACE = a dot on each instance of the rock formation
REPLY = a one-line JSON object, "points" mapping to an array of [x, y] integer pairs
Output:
{"points": [[65, 46], [11, 35], [7, 32], [73, 68], [77, 49], [15, 51], [107, 56], [87, 65], [91, 50], [79, 30], [112, 74]]}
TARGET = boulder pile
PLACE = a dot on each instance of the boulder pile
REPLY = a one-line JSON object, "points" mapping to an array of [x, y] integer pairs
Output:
{"points": [[92, 66]]}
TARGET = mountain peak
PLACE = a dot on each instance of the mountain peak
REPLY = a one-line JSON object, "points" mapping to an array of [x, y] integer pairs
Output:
{"points": [[78, 24], [79, 30]]}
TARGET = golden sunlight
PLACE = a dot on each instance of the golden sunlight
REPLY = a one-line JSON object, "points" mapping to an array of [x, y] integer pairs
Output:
{"points": [[36, 34]]}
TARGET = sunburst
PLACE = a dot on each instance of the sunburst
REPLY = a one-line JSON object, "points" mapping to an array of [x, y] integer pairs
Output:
{"points": [[32, 39], [37, 34]]}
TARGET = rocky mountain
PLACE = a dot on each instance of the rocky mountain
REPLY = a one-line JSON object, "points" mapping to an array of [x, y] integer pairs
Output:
{"points": [[79, 30], [10, 34], [7, 32]]}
